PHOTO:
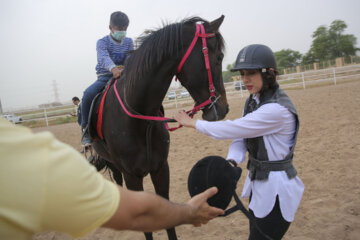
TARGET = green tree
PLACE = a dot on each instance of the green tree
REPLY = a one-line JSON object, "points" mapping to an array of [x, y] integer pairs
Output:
{"points": [[287, 58], [330, 43], [341, 45], [227, 75], [308, 58], [321, 44]]}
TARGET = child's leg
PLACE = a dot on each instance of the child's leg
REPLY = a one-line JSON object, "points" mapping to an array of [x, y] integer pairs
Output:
{"points": [[88, 96]]}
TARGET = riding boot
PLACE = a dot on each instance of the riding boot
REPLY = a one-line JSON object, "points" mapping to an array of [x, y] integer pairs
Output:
{"points": [[86, 139]]}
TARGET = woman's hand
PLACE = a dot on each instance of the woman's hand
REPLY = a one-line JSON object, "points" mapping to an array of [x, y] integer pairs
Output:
{"points": [[184, 119]]}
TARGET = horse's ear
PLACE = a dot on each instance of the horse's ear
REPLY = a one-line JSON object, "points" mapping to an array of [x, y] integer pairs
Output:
{"points": [[214, 25]]}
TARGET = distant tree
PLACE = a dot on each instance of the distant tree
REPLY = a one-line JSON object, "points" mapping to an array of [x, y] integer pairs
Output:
{"points": [[308, 58], [321, 44], [227, 75], [330, 43], [287, 58], [341, 45]]}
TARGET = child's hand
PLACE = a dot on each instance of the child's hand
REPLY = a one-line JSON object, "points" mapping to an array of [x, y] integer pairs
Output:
{"points": [[116, 72]]}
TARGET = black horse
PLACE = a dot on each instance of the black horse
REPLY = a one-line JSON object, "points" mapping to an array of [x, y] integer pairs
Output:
{"points": [[133, 147]]}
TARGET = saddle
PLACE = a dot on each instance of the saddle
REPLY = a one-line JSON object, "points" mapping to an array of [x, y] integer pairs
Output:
{"points": [[95, 112]]}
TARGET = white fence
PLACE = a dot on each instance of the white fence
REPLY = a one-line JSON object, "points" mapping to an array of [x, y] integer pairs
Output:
{"points": [[46, 114], [296, 80], [309, 78]]}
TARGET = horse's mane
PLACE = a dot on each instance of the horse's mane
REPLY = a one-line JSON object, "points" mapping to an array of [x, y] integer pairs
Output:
{"points": [[155, 46]]}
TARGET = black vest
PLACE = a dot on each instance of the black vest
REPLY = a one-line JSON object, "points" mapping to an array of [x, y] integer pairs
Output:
{"points": [[259, 165]]}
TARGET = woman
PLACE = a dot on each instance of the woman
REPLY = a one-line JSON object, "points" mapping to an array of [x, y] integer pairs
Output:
{"points": [[268, 132]]}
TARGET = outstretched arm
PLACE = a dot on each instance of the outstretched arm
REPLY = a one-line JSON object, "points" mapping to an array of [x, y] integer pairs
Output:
{"points": [[184, 119], [143, 211]]}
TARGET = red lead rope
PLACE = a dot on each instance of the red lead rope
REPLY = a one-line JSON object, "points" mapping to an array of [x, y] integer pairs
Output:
{"points": [[154, 118], [200, 32]]}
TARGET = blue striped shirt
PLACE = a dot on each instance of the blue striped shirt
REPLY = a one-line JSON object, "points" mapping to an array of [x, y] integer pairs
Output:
{"points": [[111, 53]]}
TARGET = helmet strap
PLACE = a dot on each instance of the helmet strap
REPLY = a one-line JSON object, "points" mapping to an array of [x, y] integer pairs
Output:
{"points": [[265, 85], [239, 206]]}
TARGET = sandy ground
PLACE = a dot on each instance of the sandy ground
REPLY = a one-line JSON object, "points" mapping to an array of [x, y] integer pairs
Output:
{"points": [[327, 159]]}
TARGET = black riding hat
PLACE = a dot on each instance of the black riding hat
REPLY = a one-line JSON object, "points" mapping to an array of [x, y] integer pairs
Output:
{"points": [[255, 56], [214, 171]]}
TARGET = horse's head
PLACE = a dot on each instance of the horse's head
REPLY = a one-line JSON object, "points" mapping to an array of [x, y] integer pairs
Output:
{"points": [[195, 76]]}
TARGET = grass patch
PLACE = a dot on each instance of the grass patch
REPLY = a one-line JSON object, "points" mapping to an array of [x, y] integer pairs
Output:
{"points": [[282, 82], [51, 122]]}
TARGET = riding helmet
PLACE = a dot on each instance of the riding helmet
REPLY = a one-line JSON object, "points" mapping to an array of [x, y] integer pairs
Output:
{"points": [[214, 171], [255, 56]]}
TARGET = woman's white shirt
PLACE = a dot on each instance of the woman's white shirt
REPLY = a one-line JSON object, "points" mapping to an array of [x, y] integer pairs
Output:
{"points": [[277, 125]]}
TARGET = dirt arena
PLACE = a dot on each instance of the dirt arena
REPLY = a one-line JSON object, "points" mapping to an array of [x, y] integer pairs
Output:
{"points": [[327, 159]]}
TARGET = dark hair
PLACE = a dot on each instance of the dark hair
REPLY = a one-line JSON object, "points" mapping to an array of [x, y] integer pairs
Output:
{"points": [[119, 19], [75, 99], [269, 78]]}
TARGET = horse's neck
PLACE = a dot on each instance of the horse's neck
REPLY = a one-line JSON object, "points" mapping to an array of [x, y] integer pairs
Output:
{"points": [[148, 93]]}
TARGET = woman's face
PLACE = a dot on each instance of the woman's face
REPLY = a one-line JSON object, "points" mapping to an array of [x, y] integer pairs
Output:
{"points": [[252, 80]]}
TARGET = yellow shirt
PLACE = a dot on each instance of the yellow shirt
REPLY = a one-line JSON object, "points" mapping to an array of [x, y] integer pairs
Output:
{"points": [[47, 185]]}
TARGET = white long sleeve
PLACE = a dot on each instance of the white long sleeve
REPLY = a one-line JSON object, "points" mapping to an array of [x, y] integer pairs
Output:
{"points": [[266, 120], [237, 150]]}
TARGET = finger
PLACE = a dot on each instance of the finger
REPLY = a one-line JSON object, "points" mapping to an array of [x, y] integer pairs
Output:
{"points": [[216, 211], [210, 192]]}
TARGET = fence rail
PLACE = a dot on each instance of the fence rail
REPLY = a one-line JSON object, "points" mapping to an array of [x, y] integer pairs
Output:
{"points": [[288, 81], [338, 62]]}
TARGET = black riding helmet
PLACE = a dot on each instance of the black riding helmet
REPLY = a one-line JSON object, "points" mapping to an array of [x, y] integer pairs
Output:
{"points": [[261, 57], [255, 56], [214, 171]]}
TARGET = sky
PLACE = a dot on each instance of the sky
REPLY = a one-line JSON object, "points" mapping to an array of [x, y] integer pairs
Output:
{"points": [[48, 43]]}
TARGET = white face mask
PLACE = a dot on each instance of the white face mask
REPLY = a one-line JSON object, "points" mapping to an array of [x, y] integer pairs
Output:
{"points": [[119, 35]]}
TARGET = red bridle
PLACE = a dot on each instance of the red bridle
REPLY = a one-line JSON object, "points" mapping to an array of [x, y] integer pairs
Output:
{"points": [[200, 32]]}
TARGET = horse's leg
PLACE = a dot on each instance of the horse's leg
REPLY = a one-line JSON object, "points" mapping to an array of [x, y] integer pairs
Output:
{"points": [[136, 184], [97, 162], [115, 173], [161, 182]]}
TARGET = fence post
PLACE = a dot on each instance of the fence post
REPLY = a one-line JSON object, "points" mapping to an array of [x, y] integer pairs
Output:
{"points": [[334, 72], [45, 115], [176, 104], [303, 79]]}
